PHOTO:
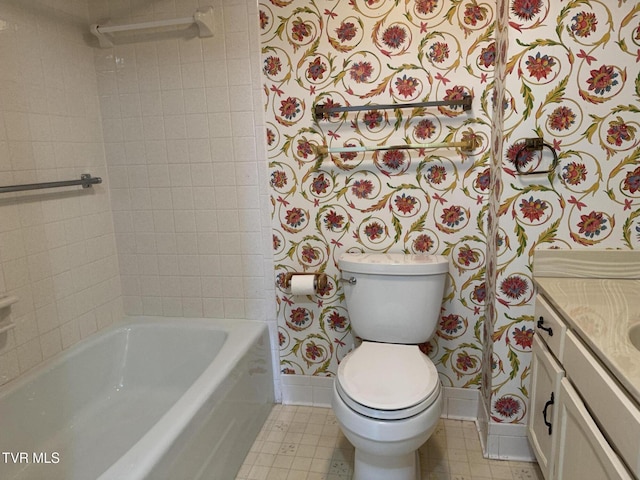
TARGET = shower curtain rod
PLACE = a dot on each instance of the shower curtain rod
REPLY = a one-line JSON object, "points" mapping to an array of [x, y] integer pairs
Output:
{"points": [[465, 145], [86, 180]]}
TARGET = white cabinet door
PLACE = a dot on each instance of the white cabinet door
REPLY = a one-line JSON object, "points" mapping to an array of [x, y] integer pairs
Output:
{"points": [[582, 452], [545, 386], [550, 327]]}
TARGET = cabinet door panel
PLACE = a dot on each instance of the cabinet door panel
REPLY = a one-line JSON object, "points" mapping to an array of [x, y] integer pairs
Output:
{"points": [[545, 385], [582, 452], [607, 402]]}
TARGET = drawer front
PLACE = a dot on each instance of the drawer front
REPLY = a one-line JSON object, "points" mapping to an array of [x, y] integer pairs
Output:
{"points": [[608, 403], [549, 327]]}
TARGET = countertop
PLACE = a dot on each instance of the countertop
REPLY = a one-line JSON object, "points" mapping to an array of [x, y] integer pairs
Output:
{"points": [[600, 312]]}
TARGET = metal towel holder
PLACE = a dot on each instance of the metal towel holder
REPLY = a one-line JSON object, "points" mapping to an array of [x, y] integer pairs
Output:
{"points": [[535, 144]]}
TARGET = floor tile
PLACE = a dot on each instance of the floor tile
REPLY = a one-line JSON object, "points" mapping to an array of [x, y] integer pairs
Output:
{"points": [[305, 443]]}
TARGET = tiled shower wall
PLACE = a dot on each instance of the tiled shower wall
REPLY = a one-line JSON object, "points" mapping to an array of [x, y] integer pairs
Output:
{"points": [[169, 121], [183, 141], [57, 247]]}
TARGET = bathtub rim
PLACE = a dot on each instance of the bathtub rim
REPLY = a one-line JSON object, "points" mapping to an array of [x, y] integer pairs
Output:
{"points": [[128, 320]]}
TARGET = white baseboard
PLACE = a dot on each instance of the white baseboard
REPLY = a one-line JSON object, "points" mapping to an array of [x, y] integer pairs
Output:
{"points": [[499, 440], [459, 403], [306, 390], [503, 441]]}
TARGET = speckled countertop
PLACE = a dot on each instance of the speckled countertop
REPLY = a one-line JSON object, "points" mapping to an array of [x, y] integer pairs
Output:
{"points": [[600, 311]]}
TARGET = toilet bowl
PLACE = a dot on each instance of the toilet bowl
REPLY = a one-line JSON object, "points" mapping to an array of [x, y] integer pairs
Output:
{"points": [[387, 397]]}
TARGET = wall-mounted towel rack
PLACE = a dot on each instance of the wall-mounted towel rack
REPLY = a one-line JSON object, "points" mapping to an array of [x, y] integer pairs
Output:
{"points": [[469, 145], [322, 112], [535, 144], [202, 17], [86, 180]]}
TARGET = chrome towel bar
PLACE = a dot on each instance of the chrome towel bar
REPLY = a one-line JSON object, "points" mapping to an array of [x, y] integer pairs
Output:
{"points": [[86, 180], [322, 111], [468, 146]]}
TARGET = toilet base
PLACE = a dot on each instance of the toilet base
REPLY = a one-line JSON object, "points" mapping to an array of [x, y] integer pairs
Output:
{"points": [[377, 467]]}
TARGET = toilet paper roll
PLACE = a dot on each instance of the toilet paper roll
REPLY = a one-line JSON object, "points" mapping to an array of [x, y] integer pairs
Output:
{"points": [[303, 285]]}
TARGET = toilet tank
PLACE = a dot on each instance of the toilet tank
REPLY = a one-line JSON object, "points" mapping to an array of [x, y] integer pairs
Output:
{"points": [[393, 297]]}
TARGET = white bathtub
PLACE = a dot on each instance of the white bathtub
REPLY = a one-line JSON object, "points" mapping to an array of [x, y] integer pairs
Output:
{"points": [[150, 398]]}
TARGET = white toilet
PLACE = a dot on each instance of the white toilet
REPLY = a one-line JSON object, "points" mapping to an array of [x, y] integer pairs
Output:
{"points": [[387, 396]]}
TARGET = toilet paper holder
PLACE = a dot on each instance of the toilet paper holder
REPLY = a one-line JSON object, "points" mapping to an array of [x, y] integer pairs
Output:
{"points": [[320, 280]]}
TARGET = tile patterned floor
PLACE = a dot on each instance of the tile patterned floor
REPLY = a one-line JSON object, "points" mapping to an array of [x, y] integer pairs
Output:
{"points": [[305, 443]]}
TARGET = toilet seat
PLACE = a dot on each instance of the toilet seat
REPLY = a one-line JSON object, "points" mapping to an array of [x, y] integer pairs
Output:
{"points": [[387, 381]]}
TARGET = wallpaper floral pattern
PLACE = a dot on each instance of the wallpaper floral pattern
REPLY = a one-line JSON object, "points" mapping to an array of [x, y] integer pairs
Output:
{"points": [[426, 200], [567, 72], [572, 78]]}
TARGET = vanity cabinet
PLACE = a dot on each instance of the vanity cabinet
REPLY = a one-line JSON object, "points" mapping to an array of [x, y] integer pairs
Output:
{"points": [[567, 441]]}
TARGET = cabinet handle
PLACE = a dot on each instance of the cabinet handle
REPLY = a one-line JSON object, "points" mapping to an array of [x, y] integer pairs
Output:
{"points": [[546, 329], [544, 412]]}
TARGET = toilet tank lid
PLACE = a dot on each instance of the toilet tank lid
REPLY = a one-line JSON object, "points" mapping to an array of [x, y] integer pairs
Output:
{"points": [[393, 263]]}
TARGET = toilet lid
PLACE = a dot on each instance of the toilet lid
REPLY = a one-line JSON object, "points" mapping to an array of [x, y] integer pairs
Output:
{"points": [[385, 376]]}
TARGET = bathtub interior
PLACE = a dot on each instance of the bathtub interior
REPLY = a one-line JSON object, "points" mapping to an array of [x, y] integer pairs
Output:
{"points": [[127, 363], [92, 405]]}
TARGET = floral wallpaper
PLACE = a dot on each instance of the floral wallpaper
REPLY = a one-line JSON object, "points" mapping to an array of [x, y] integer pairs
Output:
{"points": [[425, 200], [572, 78], [564, 71]]}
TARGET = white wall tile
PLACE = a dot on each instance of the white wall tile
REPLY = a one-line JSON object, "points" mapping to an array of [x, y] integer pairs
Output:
{"points": [[175, 127], [153, 128], [172, 102], [51, 343], [192, 307], [172, 306], [193, 73], [29, 354], [239, 71], [156, 151], [220, 125], [170, 76], [197, 126], [152, 305], [70, 333], [209, 267], [150, 102], [215, 72], [213, 307], [159, 114]]}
